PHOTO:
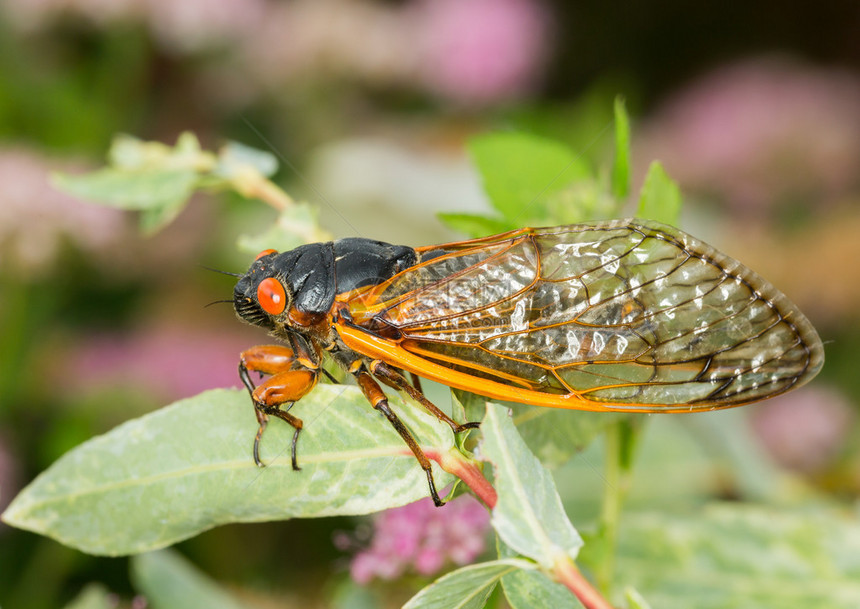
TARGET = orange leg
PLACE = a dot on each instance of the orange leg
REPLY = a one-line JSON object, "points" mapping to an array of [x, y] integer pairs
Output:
{"points": [[377, 398], [291, 378], [396, 380], [416, 380]]}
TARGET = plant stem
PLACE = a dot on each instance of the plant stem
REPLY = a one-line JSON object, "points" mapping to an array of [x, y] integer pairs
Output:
{"points": [[611, 508], [564, 569], [252, 185], [468, 471], [570, 577], [621, 439], [268, 192]]}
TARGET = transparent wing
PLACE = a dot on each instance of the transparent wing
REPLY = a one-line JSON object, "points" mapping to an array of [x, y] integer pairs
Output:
{"points": [[629, 314]]}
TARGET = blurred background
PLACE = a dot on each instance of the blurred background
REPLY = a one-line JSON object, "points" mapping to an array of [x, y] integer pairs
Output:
{"points": [[753, 108]]}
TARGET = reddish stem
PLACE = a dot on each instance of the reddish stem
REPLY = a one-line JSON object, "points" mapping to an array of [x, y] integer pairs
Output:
{"points": [[469, 472], [564, 570], [568, 575]]}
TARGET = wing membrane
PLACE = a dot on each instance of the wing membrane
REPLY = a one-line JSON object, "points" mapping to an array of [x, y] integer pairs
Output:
{"points": [[627, 314]]}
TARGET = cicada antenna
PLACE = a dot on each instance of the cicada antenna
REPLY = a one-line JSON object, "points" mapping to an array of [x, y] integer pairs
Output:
{"points": [[209, 268]]}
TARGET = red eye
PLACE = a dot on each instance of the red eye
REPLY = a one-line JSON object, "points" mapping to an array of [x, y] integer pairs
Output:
{"points": [[271, 296], [265, 253]]}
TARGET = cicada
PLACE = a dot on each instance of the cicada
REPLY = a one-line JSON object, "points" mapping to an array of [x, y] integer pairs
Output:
{"points": [[624, 315]]}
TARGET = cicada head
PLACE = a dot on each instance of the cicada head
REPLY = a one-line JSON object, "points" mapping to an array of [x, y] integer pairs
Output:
{"points": [[262, 296], [287, 292]]}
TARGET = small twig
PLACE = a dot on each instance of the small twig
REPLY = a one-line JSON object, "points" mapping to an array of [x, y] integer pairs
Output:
{"points": [[270, 193], [564, 570], [253, 185]]}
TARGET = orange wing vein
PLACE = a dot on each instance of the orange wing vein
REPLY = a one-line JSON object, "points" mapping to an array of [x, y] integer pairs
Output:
{"points": [[619, 315]]}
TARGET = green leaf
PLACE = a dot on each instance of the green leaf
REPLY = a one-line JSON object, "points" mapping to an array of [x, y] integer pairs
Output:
{"points": [[150, 177], [466, 588], [520, 172], [169, 581], [235, 158], [158, 179], [145, 189], [461, 403], [468, 406], [153, 220], [186, 468], [132, 154], [681, 462], [93, 596], [621, 165], [635, 600], [660, 198], [556, 435], [473, 225], [529, 589], [582, 201], [529, 516], [742, 460], [349, 595], [295, 226], [465, 406], [732, 555]]}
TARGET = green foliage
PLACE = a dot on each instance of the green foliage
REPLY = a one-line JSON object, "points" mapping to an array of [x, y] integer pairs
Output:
{"points": [[621, 166], [466, 588], [158, 180], [530, 522], [732, 555], [555, 436], [530, 181], [660, 198], [93, 596], [294, 226], [635, 600], [474, 225], [350, 595], [172, 474], [186, 468], [168, 581], [529, 516], [528, 588], [520, 172], [146, 189], [533, 181]]}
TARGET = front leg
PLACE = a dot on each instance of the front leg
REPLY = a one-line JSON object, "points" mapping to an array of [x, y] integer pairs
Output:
{"points": [[292, 378]]}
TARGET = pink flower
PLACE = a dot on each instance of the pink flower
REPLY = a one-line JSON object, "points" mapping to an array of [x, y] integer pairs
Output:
{"points": [[192, 25], [466, 51], [760, 132], [481, 51], [806, 429], [422, 538], [186, 26], [170, 361], [35, 217]]}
